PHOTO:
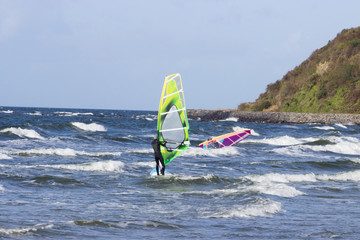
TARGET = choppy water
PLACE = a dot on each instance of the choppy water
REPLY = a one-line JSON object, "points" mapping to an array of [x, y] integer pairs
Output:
{"points": [[84, 174]]}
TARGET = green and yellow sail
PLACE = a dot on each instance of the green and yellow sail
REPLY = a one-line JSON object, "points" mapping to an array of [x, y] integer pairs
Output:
{"points": [[173, 125]]}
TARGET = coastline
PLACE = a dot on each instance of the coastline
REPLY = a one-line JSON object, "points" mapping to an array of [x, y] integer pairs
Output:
{"points": [[274, 117]]}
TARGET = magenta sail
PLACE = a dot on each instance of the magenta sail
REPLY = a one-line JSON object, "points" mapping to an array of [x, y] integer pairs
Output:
{"points": [[226, 140]]}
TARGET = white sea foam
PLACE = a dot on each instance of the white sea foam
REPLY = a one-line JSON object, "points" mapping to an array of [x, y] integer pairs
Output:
{"points": [[265, 187], [7, 111], [91, 127], [140, 150], [4, 156], [66, 152], [230, 119], [282, 141], [72, 114], [343, 145], [2, 188], [102, 166], [25, 133], [310, 177], [36, 113], [295, 151], [344, 176], [340, 125], [145, 164], [253, 133], [196, 152], [276, 189], [324, 127], [24, 230], [258, 208], [283, 178], [148, 117]]}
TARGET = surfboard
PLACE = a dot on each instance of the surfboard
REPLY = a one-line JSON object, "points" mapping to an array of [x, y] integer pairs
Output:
{"points": [[154, 173]]}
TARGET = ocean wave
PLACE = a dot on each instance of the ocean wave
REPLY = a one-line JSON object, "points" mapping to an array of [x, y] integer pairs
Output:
{"points": [[36, 113], [230, 119], [323, 128], [102, 166], [7, 111], [198, 152], [72, 114], [257, 208], [309, 177], [283, 140], [148, 117], [342, 145], [340, 125], [66, 152], [194, 152], [91, 127], [339, 145], [341, 177], [276, 189], [4, 156], [2, 188], [253, 133], [283, 178], [24, 230], [24, 133]]}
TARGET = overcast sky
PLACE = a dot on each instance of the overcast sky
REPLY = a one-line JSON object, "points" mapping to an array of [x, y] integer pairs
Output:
{"points": [[114, 54]]}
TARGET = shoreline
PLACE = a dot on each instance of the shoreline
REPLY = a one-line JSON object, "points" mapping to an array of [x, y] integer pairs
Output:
{"points": [[274, 117]]}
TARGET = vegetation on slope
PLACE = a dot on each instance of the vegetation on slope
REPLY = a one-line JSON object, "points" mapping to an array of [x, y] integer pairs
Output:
{"points": [[327, 82]]}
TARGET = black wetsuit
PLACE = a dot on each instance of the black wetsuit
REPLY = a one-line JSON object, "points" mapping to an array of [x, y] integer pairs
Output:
{"points": [[158, 157]]}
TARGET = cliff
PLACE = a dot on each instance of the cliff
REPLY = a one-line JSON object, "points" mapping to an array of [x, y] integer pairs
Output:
{"points": [[327, 82]]}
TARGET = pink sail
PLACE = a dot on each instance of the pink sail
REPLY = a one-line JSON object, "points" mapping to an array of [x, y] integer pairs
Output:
{"points": [[226, 140]]}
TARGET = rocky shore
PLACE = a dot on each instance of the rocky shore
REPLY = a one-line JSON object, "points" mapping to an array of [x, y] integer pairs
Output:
{"points": [[274, 117]]}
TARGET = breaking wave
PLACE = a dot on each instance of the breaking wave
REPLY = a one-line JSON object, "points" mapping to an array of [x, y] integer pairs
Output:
{"points": [[4, 156], [253, 133], [324, 128], [7, 111], [339, 145], [197, 152], [24, 230], [230, 119], [257, 208], [72, 114], [91, 127], [24, 133], [283, 141], [309, 177], [66, 152], [102, 166]]}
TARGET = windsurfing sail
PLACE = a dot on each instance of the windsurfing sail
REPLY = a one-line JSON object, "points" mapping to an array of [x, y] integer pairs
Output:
{"points": [[226, 140], [173, 125]]}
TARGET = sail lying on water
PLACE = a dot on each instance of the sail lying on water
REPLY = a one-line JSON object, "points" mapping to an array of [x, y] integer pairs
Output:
{"points": [[225, 140], [173, 125]]}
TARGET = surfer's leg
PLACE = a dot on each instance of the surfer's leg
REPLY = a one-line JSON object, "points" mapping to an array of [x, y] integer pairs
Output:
{"points": [[162, 166], [157, 165]]}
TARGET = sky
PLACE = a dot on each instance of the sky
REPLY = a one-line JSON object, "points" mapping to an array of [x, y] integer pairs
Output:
{"points": [[115, 54]]}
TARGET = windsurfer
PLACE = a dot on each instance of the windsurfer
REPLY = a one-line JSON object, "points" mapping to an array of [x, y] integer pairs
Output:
{"points": [[157, 153]]}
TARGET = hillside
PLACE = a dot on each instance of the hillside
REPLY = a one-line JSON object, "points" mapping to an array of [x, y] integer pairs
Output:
{"points": [[327, 82]]}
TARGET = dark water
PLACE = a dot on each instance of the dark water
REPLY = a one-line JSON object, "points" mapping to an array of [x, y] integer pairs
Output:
{"points": [[84, 174]]}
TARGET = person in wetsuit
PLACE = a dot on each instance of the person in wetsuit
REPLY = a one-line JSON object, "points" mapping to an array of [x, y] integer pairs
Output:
{"points": [[158, 157]]}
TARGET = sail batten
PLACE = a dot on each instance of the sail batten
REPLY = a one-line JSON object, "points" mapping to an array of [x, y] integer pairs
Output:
{"points": [[177, 110]]}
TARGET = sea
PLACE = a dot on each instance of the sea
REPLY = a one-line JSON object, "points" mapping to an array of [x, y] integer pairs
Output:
{"points": [[84, 174]]}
